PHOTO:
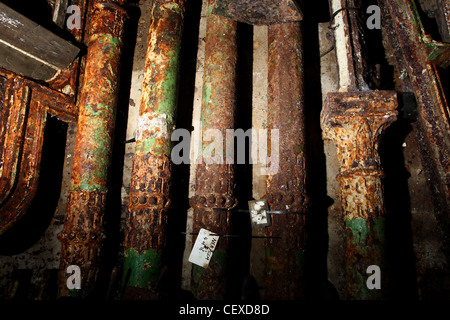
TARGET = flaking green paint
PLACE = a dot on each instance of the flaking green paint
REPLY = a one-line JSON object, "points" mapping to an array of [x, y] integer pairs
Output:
{"points": [[209, 10], [361, 230], [110, 40], [99, 153], [364, 237], [163, 95], [218, 263], [145, 268]]}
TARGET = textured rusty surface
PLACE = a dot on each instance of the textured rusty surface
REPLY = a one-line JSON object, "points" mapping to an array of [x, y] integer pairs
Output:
{"points": [[361, 74], [13, 122], [286, 189], [25, 180], [214, 183], [259, 12], [443, 19], [23, 116], [354, 121], [81, 236], [149, 196], [432, 127]]}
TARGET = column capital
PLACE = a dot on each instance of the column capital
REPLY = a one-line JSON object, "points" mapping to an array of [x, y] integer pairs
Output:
{"points": [[354, 121]]}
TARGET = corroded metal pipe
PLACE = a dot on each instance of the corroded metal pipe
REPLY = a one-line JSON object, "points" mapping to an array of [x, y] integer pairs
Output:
{"points": [[81, 238], [149, 197], [354, 121], [214, 186], [286, 190]]}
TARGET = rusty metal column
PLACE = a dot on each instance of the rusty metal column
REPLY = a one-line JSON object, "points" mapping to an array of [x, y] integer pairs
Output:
{"points": [[81, 238], [149, 196], [354, 120], [286, 188], [214, 186]]}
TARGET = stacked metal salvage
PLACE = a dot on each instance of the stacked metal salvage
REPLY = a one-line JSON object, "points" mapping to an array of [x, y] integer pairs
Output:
{"points": [[353, 118]]}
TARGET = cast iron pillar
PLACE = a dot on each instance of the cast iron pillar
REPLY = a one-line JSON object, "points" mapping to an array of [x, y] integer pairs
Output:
{"points": [[354, 121], [149, 197], [286, 190], [82, 236], [214, 184]]}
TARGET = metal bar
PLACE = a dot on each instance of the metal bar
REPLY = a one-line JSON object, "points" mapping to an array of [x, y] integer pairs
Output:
{"points": [[286, 189], [23, 117], [214, 186], [432, 127], [81, 238], [412, 46], [354, 121], [25, 178], [12, 129], [149, 196]]}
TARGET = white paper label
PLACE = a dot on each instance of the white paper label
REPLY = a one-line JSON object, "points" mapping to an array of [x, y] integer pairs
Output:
{"points": [[203, 248], [258, 212]]}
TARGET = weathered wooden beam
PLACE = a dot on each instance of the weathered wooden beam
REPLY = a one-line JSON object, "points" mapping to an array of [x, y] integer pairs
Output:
{"points": [[29, 49]]}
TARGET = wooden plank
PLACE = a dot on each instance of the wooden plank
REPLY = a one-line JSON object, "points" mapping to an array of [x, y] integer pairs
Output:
{"points": [[25, 46]]}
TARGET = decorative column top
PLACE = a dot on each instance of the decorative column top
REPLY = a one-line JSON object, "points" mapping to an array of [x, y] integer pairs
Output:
{"points": [[355, 121]]}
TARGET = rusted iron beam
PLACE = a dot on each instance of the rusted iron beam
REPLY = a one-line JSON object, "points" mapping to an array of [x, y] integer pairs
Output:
{"points": [[286, 190], [149, 196], [23, 116], [432, 128], [259, 12], [81, 238], [214, 182], [12, 128], [354, 121], [26, 172]]}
